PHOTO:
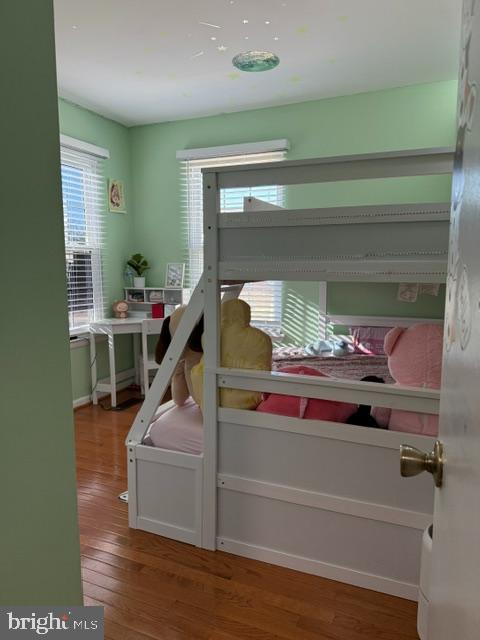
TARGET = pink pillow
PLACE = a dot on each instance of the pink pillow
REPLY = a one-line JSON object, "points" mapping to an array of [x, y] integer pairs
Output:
{"points": [[310, 409]]}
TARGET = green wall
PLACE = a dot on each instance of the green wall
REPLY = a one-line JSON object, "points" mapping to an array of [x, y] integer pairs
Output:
{"points": [[410, 117], [90, 127], [39, 546]]}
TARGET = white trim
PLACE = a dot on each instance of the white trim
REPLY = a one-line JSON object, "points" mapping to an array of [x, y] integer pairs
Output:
{"points": [[322, 569], [326, 502], [81, 402], [382, 438], [233, 150], [124, 379], [380, 321], [85, 147]]}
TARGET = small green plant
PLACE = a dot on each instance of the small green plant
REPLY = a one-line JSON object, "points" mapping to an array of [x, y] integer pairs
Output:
{"points": [[138, 264]]}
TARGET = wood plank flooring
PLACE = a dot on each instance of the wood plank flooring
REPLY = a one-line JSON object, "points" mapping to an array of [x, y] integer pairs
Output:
{"points": [[155, 588]]}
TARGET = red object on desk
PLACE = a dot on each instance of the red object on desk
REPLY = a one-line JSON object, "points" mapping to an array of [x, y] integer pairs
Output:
{"points": [[158, 310]]}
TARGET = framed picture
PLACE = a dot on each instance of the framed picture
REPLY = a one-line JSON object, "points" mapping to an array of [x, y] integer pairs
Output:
{"points": [[175, 274], [116, 196]]}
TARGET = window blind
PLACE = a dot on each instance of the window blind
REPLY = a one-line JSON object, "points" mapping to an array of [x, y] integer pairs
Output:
{"points": [[265, 298], [84, 225]]}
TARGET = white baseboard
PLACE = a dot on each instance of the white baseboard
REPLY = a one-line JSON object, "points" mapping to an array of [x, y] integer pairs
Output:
{"points": [[124, 379], [323, 569], [80, 402]]}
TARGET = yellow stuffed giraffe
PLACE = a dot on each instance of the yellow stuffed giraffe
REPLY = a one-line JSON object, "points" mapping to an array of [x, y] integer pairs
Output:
{"points": [[242, 347]]}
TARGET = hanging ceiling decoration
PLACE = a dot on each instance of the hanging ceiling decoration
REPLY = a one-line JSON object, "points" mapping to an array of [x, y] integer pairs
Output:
{"points": [[256, 61]]}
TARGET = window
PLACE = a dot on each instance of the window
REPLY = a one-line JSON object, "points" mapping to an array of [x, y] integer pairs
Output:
{"points": [[265, 298], [83, 214]]}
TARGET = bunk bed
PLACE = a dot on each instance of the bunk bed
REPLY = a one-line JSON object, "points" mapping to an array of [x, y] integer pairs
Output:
{"points": [[320, 497]]}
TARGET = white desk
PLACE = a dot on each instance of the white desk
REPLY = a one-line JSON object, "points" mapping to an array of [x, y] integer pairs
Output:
{"points": [[111, 327]]}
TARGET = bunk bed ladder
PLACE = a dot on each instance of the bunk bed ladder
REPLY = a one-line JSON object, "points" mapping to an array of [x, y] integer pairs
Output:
{"points": [[161, 382]]}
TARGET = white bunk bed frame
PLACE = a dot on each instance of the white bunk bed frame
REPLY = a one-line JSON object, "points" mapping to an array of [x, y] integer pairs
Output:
{"points": [[316, 496]]}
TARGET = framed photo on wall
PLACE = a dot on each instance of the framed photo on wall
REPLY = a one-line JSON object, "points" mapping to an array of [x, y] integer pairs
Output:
{"points": [[175, 274], [116, 196]]}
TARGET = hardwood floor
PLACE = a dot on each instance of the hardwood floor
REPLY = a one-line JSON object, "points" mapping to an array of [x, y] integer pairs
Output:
{"points": [[152, 587]]}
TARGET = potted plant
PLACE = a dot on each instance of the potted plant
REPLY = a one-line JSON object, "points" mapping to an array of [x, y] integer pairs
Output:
{"points": [[139, 265]]}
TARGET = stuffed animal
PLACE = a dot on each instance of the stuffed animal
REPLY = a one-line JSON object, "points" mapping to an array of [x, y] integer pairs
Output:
{"points": [[313, 409], [414, 360], [181, 383], [362, 416], [242, 347]]}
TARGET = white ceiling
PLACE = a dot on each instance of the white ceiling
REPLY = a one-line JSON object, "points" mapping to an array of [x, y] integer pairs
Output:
{"points": [[140, 61]]}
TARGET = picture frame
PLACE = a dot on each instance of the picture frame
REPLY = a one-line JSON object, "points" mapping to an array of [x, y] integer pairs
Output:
{"points": [[116, 196], [175, 275]]}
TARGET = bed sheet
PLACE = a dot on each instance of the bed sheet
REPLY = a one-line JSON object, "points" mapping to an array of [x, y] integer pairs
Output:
{"points": [[351, 367]]}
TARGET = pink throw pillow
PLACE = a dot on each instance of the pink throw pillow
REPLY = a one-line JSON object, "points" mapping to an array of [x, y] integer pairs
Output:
{"points": [[308, 408]]}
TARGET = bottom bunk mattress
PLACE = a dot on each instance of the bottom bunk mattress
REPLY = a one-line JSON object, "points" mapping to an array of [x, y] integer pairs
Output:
{"points": [[181, 428], [177, 429]]}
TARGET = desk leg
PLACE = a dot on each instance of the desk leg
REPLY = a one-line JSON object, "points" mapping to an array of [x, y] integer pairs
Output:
{"points": [[93, 367], [113, 373]]}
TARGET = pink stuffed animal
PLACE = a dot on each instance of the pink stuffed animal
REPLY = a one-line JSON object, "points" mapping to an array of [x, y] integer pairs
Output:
{"points": [[310, 409], [414, 360]]}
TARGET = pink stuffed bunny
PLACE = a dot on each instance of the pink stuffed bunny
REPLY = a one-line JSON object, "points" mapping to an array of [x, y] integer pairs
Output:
{"points": [[414, 360]]}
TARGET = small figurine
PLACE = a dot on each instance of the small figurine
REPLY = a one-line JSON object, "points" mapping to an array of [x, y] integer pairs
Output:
{"points": [[120, 309]]}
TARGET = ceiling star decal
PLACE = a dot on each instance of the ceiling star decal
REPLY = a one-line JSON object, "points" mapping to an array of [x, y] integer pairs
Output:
{"points": [[233, 76], [302, 30], [209, 24], [222, 48]]}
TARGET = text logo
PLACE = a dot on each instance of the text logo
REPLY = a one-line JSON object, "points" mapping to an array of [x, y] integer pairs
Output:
{"points": [[21, 623]]}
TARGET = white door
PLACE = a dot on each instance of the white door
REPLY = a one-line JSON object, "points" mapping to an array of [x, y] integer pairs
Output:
{"points": [[455, 579]]}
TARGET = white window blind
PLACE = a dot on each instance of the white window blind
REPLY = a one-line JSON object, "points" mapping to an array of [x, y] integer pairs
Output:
{"points": [[84, 224], [265, 298]]}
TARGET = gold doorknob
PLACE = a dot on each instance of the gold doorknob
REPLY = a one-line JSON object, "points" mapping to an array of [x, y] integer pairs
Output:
{"points": [[413, 461]]}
